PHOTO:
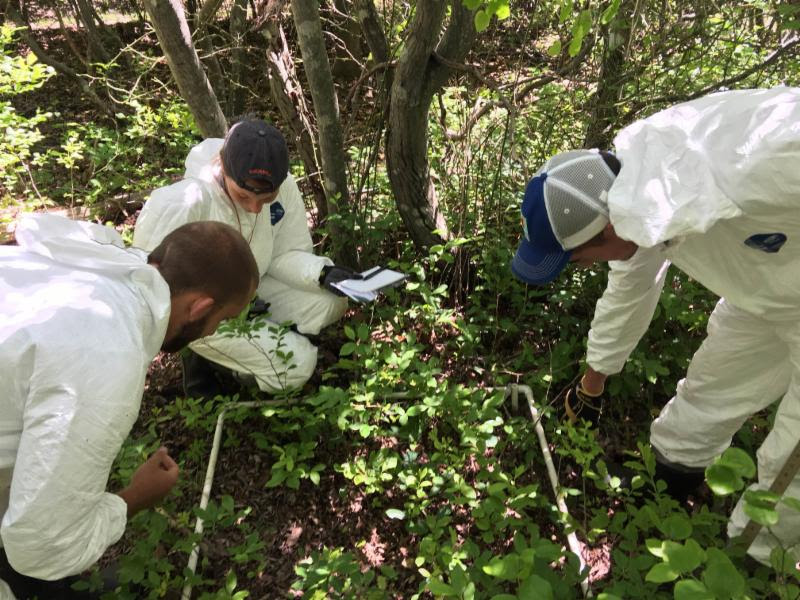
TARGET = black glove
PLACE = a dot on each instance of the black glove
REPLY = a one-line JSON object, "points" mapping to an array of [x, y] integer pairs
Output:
{"points": [[257, 308], [580, 404], [333, 274]]}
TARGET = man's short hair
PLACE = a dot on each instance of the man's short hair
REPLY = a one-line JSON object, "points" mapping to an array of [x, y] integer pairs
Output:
{"points": [[208, 257]]}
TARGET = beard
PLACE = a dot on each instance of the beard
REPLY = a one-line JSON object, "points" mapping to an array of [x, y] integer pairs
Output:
{"points": [[188, 333]]}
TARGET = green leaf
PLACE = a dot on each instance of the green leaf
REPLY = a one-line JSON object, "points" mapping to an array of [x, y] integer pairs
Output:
{"points": [[763, 498], [503, 11], [555, 48], [575, 44], [610, 12], [347, 349], [759, 505], [792, 503], [277, 478], [676, 527], [506, 567], [655, 547], [535, 588], [482, 19], [721, 577], [472, 4], [738, 460], [395, 513], [566, 11], [607, 596], [314, 477], [585, 20], [691, 589], [230, 582], [723, 480], [684, 558], [469, 591], [661, 573], [440, 588]]}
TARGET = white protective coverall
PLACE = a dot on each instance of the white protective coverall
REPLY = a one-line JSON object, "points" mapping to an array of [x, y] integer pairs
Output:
{"points": [[81, 318], [281, 244], [713, 185]]}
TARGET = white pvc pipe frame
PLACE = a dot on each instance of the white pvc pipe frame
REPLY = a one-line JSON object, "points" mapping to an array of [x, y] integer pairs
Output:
{"points": [[512, 390]]}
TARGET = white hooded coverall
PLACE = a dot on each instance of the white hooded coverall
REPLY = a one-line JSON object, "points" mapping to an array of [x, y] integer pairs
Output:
{"points": [[281, 244], [713, 185], [81, 318]]}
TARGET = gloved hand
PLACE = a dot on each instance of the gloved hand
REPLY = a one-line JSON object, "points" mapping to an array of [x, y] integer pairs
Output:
{"points": [[580, 404], [257, 308], [333, 274]]}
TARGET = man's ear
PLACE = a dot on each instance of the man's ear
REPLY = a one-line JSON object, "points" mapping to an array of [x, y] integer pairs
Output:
{"points": [[200, 307], [608, 233]]}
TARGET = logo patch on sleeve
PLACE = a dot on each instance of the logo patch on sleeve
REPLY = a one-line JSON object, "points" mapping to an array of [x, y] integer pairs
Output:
{"points": [[766, 242], [276, 212]]}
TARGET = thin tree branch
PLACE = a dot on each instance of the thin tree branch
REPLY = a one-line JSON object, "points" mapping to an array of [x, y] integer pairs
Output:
{"points": [[771, 59]]}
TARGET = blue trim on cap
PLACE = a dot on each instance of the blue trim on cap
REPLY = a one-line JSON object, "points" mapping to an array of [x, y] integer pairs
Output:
{"points": [[539, 258], [531, 266]]}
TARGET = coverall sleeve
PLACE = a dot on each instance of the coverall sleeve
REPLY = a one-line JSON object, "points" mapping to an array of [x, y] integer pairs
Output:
{"points": [[626, 308], [293, 259], [167, 209], [60, 519]]}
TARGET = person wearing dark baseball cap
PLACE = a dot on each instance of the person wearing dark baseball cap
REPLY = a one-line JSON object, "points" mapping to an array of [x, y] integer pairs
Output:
{"points": [[254, 159], [243, 180], [711, 186]]}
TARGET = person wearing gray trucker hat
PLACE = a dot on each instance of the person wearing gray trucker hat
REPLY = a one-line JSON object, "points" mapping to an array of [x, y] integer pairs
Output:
{"points": [[713, 187], [243, 180]]}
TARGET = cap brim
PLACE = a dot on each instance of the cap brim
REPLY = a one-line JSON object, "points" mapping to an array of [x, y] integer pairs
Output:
{"points": [[536, 267]]}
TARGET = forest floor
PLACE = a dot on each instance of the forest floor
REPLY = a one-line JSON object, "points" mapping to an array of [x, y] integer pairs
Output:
{"points": [[294, 523]]}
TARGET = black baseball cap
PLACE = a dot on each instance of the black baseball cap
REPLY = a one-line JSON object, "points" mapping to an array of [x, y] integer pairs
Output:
{"points": [[256, 150]]}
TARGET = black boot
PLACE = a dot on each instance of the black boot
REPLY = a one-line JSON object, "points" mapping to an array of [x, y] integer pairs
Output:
{"points": [[681, 481], [199, 376]]}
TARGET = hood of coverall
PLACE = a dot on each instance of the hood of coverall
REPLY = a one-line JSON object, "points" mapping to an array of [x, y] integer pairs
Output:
{"points": [[95, 248], [200, 161], [685, 168]]}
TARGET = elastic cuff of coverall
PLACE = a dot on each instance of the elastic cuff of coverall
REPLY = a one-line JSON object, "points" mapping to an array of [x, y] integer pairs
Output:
{"points": [[675, 466]]}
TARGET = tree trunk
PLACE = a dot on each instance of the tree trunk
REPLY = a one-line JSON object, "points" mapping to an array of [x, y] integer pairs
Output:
{"points": [[96, 48], [346, 50], [326, 108], [373, 30], [237, 30], [290, 101], [67, 36], [216, 78], [207, 13], [204, 40], [604, 107], [417, 78], [172, 30]]}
